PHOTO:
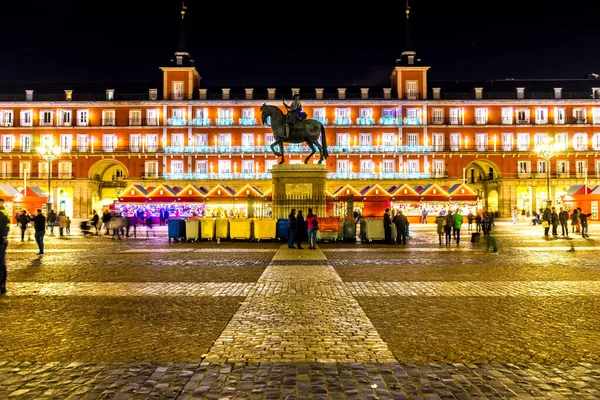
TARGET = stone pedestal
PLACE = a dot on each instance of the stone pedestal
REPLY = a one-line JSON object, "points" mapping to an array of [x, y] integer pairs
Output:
{"points": [[299, 186]]}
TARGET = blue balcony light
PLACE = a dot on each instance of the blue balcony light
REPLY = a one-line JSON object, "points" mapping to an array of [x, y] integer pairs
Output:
{"points": [[224, 121], [322, 120], [201, 121], [365, 121], [342, 121], [248, 121], [412, 121], [389, 121], [177, 121]]}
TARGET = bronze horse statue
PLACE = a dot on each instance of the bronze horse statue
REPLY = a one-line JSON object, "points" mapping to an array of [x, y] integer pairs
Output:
{"points": [[307, 131]]}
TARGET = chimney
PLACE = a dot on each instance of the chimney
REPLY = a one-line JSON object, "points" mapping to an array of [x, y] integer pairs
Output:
{"points": [[225, 94], [295, 91], [478, 93], [29, 95], [387, 93], [179, 60], [271, 94], [319, 93], [153, 93], [341, 93], [436, 93], [520, 93], [248, 93], [558, 93], [202, 94], [364, 93], [110, 94], [68, 95]]}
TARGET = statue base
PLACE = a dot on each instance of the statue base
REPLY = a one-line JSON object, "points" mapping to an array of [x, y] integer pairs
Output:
{"points": [[299, 186]]}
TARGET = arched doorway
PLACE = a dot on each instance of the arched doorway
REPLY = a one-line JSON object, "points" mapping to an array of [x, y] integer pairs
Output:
{"points": [[482, 170], [107, 178], [492, 200]]}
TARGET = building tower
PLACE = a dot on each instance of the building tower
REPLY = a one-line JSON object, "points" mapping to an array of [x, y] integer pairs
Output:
{"points": [[409, 78], [181, 79]]}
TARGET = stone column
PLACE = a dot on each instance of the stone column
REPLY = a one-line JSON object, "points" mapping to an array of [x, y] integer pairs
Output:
{"points": [[299, 186], [534, 206]]}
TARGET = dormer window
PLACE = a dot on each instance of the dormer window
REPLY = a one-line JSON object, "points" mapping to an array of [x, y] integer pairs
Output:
{"points": [[365, 116]]}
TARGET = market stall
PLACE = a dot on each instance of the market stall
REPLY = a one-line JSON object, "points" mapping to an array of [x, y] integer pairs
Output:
{"points": [[31, 199], [375, 199], [343, 199], [584, 197]]}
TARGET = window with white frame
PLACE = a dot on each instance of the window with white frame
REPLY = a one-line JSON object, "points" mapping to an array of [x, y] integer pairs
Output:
{"points": [[388, 139], [538, 139], [26, 118], [65, 169], [109, 142], [135, 117], [295, 161], [596, 115], [24, 169], [455, 142], [413, 116], [388, 116], [389, 166], [46, 117], [507, 116], [63, 117], [201, 166], [152, 117], [248, 116], [178, 116], [135, 142], [523, 116], [177, 140], [224, 166], [6, 169], [225, 116], [8, 143], [342, 116], [438, 168], [580, 141], [224, 140], [343, 140], [178, 90], [411, 90], [83, 117], [541, 115], [269, 164], [319, 115], [152, 142], [365, 140], [201, 140], [581, 167], [481, 141], [437, 116], [366, 166], [562, 167], [248, 140], [247, 166], [108, 117], [412, 139], [269, 139], [412, 166], [26, 143], [481, 116], [541, 167], [455, 116], [524, 167], [507, 141], [343, 167], [523, 141], [596, 141], [579, 115], [151, 169], [66, 142], [560, 115], [46, 140], [82, 142], [437, 141], [6, 117], [44, 169], [561, 141], [177, 167], [365, 116]]}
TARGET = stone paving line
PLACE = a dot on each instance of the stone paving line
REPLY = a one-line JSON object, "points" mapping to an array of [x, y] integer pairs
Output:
{"points": [[300, 327], [306, 282]]}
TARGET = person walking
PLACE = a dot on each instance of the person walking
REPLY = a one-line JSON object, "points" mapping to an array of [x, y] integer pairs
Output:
{"points": [[575, 221], [563, 218], [39, 224], [439, 221], [300, 229], [470, 219], [291, 228], [52, 221], [4, 228], [555, 222], [514, 215], [95, 220], [457, 221], [448, 227], [23, 220], [312, 225], [401, 222]]}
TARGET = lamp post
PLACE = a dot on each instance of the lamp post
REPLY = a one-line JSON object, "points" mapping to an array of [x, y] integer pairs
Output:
{"points": [[49, 153], [547, 151]]}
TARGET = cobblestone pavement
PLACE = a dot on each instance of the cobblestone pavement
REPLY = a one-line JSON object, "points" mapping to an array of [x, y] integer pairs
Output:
{"points": [[99, 318]]}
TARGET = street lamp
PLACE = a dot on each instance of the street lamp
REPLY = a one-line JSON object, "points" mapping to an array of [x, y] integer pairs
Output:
{"points": [[547, 151], [49, 153]]}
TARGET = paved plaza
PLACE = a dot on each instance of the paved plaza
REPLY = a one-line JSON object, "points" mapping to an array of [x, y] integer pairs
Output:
{"points": [[139, 318]]}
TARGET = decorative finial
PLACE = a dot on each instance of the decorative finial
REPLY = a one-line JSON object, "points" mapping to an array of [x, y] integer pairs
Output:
{"points": [[183, 8], [407, 9]]}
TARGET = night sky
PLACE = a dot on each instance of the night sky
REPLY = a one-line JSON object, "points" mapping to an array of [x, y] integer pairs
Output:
{"points": [[323, 42]]}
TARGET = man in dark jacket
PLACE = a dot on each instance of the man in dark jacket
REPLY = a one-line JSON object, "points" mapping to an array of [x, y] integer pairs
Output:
{"points": [[39, 224], [291, 228], [547, 218], [4, 227], [387, 226], [23, 220], [563, 218], [401, 223], [51, 221]]}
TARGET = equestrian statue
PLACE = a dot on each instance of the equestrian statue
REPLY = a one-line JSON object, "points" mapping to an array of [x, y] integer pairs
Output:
{"points": [[294, 127]]}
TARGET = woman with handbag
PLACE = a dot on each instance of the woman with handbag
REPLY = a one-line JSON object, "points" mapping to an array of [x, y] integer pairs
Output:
{"points": [[312, 223]]}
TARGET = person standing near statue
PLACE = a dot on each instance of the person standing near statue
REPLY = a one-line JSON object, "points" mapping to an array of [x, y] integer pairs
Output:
{"points": [[294, 113]]}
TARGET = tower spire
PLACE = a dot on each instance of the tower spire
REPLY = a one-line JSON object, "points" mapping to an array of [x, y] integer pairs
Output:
{"points": [[408, 41], [181, 46], [408, 56]]}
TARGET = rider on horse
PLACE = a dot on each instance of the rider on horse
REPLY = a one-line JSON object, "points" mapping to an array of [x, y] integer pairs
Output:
{"points": [[294, 114]]}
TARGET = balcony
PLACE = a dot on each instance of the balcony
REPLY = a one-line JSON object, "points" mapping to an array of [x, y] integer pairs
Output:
{"points": [[248, 121], [507, 121], [380, 149], [365, 121], [201, 121], [105, 122], [578, 121], [481, 120], [177, 121], [225, 121], [214, 176], [342, 121], [379, 175], [322, 120], [524, 121], [412, 121], [389, 121]]}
